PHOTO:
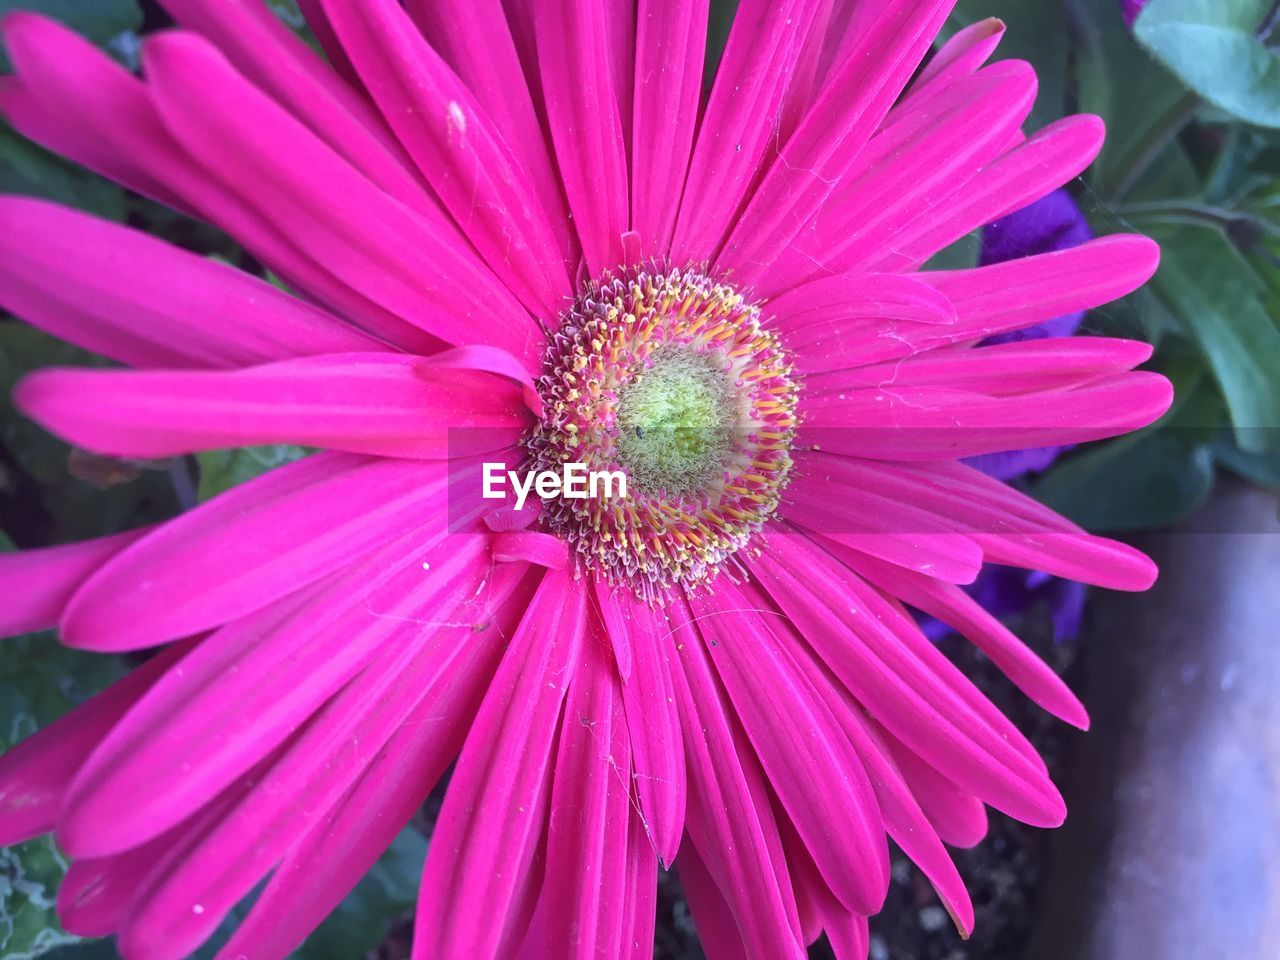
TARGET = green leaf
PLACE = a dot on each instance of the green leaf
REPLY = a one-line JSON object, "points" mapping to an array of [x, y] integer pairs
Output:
{"points": [[220, 470], [108, 23], [1217, 299], [1214, 47], [29, 876], [40, 680], [1244, 173]]}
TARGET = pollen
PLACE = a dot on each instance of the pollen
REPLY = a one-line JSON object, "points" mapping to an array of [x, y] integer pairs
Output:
{"points": [[671, 379]]}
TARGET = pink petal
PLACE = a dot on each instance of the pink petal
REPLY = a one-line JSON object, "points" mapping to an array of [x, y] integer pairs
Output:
{"points": [[620, 19], [490, 360], [938, 423], [812, 892], [853, 299], [495, 812], [641, 894], [35, 773], [960, 56], [256, 543], [809, 76], [956, 608], [959, 818], [337, 851], [40, 583], [74, 99], [579, 86], [849, 21], [116, 292], [984, 301], [414, 266], [1047, 160], [825, 145], [1073, 556], [96, 895], [906, 172], [924, 661], [376, 403], [478, 43], [845, 930], [904, 819], [852, 319], [1017, 294], [543, 549], [1028, 366], [276, 60], [653, 721], [717, 929], [737, 128], [849, 936], [313, 12], [317, 769], [1002, 520], [884, 527], [247, 688], [918, 701], [457, 147], [795, 736], [584, 890], [71, 97], [730, 821], [670, 41]]}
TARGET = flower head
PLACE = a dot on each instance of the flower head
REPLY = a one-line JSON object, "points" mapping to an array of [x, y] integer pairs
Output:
{"points": [[672, 380], [518, 234]]}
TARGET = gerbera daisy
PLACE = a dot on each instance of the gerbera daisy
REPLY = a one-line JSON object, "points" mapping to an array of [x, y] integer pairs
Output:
{"points": [[518, 234]]}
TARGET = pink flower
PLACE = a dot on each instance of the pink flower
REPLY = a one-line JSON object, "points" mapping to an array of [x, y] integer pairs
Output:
{"points": [[521, 237]]}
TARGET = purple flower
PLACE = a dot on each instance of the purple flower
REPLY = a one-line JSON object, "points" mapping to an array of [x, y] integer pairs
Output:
{"points": [[1131, 9]]}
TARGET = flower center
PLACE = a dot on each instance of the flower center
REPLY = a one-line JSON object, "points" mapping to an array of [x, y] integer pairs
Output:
{"points": [[675, 421], [669, 379]]}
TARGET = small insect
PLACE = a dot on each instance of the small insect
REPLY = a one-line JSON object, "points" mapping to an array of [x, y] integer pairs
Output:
{"points": [[639, 431]]}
